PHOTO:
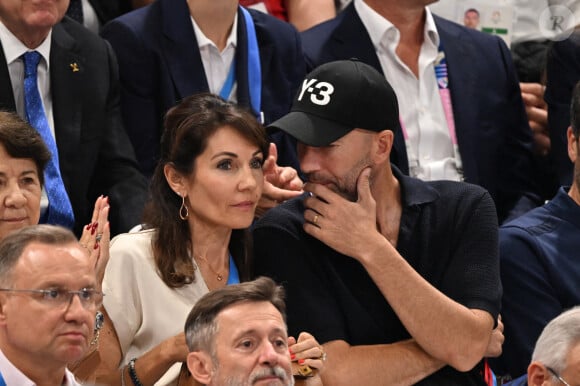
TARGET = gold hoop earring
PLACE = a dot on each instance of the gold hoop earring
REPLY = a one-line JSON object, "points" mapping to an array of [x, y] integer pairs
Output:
{"points": [[183, 211]]}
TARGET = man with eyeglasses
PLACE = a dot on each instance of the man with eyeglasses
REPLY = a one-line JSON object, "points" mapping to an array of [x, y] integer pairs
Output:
{"points": [[49, 295], [556, 357]]}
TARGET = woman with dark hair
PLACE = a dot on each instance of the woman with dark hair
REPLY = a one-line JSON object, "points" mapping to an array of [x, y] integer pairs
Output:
{"points": [[203, 196], [23, 159]]}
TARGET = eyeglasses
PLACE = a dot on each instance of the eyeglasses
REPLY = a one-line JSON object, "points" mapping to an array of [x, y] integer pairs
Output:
{"points": [[59, 298], [557, 376]]}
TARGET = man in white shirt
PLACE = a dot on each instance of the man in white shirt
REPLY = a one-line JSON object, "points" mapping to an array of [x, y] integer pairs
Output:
{"points": [[461, 111], [49, 296]]}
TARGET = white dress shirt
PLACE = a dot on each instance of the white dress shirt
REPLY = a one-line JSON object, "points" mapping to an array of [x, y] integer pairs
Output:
{"points": [[13, 376], [217, 64], [430, 151], [90, 19]]}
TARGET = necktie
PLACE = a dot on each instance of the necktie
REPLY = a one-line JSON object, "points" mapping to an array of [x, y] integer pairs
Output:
{"points": [[59, 207], [75, 10]]}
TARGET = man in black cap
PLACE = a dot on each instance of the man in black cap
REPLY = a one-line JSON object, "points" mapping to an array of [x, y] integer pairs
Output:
{"points": [[396, 276]]}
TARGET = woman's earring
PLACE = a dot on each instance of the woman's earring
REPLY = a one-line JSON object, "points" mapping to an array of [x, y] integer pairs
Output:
{"points": [[183, 211]]}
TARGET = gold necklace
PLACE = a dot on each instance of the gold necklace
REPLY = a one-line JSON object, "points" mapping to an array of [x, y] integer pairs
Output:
{"points": [[219, 276]]}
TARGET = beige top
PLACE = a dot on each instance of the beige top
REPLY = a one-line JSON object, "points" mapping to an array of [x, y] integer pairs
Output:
{"points": [[144, 310]]}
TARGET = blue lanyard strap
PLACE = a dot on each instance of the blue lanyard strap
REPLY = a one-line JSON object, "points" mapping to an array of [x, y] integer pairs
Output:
{"points": [[233, 277], [2, 381], [254, 67], [228, 84]]}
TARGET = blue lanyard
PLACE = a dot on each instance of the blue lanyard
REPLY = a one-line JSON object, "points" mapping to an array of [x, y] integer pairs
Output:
{"points": [[228, 84], [2, 381], [254, 68], [233, 277]]}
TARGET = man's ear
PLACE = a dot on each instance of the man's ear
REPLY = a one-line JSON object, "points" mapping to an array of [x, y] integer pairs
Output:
{"points": [[3, 308], [200, 366], [572, 144], [383, 143], [537, 374], [174, 179]]}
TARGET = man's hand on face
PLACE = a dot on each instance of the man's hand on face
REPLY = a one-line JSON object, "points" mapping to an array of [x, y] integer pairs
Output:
{"points": [[345, 226]]}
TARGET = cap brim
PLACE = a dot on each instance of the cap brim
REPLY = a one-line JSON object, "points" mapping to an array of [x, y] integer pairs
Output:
{"points": [[310, 129]]}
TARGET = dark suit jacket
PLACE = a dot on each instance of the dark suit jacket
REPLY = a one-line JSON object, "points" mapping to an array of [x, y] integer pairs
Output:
{"points": [[492, 129], [160, 64], [95, 154], [109, 9], [563, 72]]}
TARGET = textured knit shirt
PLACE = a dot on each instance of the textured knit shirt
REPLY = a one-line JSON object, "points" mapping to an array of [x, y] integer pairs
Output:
{"points": [[540, 272], [448, 234]]}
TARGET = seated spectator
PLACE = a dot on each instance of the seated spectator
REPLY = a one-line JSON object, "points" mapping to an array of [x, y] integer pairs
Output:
{"points": [[204, 192], [23, 158], [398, 277], [237, 335], [540, 270], [64, 80], [49, 294], [172, 49], [556, 356], [461, 112]]}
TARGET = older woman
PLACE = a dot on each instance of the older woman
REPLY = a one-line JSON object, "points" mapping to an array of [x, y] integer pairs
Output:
{"points": [[204, 193], [23, 157]]}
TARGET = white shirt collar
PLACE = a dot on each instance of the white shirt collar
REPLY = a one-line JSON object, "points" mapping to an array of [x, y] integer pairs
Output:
{"points": [[13, 376], [203, 41], [14, 48], [378, 27]]}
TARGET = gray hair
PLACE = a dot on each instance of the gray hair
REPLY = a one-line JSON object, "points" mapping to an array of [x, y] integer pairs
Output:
{"points": [[12, 246], [557, 339], [201, 324]]}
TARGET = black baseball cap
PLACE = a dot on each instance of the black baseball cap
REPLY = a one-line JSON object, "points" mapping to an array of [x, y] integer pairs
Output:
{"points": [[338, 97]]}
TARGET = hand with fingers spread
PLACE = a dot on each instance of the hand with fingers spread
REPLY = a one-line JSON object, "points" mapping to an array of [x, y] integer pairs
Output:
{"points": [[343, 225], [96, 237], [280, 183], [307, 351]]}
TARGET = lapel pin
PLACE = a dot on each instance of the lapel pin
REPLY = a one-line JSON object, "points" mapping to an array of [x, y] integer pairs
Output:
{"points": [[74, 67]]}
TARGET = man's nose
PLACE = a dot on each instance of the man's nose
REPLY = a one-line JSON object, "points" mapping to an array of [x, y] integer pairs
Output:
{"points": [[308, 158]]}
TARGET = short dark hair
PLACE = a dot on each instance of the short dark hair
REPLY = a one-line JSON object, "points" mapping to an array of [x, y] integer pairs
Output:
{"points": [[22, 141], [188, 128], [201, 324], [471, 10], [575, 110], [12, 246]]}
